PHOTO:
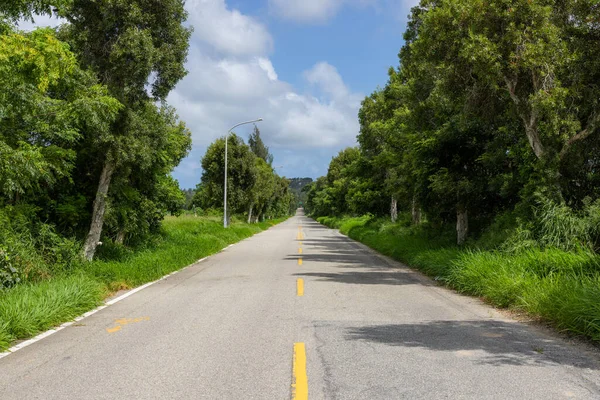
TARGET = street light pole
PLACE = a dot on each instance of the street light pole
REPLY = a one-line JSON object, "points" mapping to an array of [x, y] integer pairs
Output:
{"points": [[225, 221]]}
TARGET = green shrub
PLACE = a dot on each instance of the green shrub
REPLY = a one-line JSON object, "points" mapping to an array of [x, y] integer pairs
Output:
{"points": [[347, 224], [563, 287], [32, 248], [9, 275]]}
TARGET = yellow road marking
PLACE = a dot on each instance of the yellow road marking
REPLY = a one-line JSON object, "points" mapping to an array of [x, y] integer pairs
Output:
{"points": [[300, 384], [300, 250], [125, 321], [300, 261], [300, 243], [300, 287]]}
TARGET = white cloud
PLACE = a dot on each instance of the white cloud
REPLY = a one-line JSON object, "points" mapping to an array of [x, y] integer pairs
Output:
{"points": [[231, 79], [40, 21], [313, 11], [226, 85], [326, 77], [306, 10], [246, 90], [228, 31], [266, 65]]}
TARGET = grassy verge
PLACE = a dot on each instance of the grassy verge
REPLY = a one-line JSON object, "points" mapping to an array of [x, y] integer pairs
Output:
{"points": [[30, 308], [560, 287]]}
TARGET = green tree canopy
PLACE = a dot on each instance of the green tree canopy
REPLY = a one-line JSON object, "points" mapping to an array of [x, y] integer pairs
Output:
{"points": [[258, 147]]}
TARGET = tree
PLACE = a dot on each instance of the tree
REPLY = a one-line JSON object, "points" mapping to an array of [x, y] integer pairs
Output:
{"points": [[47, 105], [13, 10], [541, 57], [262, 191], [126, 43], [338, 178], [241, 175], [296, 187], [252, 185], [258, 147], [143, 192]]}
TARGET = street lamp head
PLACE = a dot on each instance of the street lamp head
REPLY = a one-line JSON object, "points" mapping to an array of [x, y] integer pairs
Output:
{"points": [[260, 119]]}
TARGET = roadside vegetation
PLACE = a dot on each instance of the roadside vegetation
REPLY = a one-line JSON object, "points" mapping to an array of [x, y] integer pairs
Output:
{"points": [[560, 287], [87, 146], [478, 161], [253, 189], [70, 290]]}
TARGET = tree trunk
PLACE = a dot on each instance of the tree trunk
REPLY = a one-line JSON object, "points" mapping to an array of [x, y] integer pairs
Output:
{"points": [[394, 209], [416, 212], [93, 237], [534, 139], [120, 239], [462, 225], [250, 213], [529, 118]]}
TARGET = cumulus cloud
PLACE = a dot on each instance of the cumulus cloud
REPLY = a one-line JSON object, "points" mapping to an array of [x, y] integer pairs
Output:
{"points": [[232, 79], [246, 90], [313, 11], [228, 31], [306, 10]]}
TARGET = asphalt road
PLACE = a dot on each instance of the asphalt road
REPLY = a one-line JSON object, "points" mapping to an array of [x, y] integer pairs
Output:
{"points": [[226, 328]]}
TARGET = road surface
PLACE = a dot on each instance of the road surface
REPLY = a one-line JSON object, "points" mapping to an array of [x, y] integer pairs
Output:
{"points": [[299, 304]]}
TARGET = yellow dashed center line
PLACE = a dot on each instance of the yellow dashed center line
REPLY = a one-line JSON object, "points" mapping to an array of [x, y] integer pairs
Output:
{"points": [[113, 330], [300, 379], [300, 287]]}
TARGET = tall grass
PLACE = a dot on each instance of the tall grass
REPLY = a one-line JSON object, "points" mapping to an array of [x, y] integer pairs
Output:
{"points": [[33, 307], [186, 240], [29, 308], [562, 287]]}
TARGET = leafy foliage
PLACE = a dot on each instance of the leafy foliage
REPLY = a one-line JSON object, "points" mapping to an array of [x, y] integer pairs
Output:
{"points": [[258, 146], [494, 105], [253, 187]]}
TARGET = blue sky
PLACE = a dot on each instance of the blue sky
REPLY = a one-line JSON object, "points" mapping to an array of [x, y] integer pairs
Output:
{"points": [[302, 65]]}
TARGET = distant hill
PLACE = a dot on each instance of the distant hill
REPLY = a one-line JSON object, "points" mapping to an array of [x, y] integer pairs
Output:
{"points": [[296, 185]]}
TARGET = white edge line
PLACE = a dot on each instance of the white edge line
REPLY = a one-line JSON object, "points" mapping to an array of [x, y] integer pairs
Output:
{"points": [[106, 304], [91, 312]]}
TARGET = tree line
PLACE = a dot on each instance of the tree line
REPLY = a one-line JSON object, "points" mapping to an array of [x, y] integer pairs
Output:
{"points": [[492, 115], [253, 187], [87, 140]]}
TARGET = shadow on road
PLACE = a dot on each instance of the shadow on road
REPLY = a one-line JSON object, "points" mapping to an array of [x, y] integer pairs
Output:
{"points": [[485, 342], [355, 265], [365, 278]]}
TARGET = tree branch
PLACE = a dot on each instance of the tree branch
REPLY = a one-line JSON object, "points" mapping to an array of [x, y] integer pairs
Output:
{"points": [[591, 126]]}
